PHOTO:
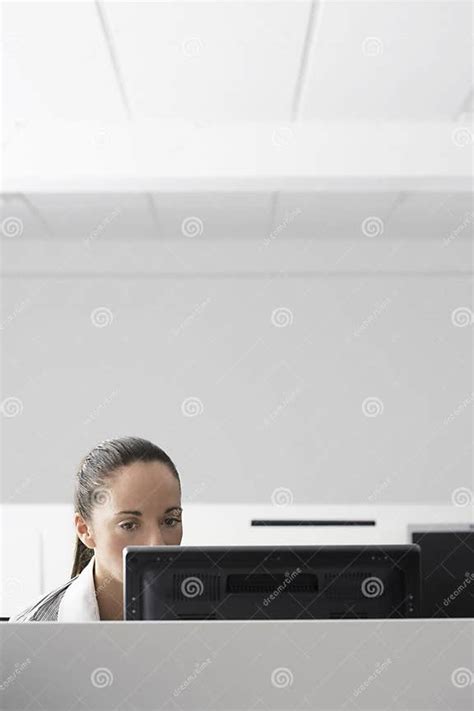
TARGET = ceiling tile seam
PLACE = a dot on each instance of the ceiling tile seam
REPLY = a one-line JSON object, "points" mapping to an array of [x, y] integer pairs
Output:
{"points": [[464, 108], [152, 206], [314, 16], [154, 209], [113, 57], [399, 200], [36, 212], [274, 200]]}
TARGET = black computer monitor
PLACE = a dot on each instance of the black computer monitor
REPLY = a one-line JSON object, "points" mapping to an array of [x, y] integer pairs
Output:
{"points": [[271, 582], [447, 563]]}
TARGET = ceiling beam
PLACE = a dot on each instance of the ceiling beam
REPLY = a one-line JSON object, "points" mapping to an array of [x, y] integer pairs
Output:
{"points": [[170, 155]]}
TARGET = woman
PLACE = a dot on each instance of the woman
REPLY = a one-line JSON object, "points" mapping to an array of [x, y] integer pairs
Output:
{"points": [[128, 492]]}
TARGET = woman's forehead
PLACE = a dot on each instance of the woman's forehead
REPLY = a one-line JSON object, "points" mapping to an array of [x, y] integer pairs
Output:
{"points": [[152, 485], [139, 468]]}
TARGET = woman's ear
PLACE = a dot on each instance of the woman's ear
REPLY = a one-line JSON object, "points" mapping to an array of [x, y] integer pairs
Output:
{"points": [[84, 531]]}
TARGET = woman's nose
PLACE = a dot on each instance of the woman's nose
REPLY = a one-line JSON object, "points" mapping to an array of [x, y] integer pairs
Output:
{"points": [[155, 539]]}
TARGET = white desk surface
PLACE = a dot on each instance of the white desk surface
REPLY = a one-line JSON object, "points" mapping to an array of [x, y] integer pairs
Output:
{"points": [[394, 665]]}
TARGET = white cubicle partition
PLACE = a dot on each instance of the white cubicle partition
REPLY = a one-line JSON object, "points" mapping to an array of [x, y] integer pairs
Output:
{"points": [[37, 540], [315, 665]]}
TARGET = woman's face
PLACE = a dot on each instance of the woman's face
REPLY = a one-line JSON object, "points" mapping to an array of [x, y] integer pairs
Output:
{"points": [[140, 505]]}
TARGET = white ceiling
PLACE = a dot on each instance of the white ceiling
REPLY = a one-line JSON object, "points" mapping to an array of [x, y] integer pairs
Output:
{"points": [[357, 68], [418, 66], [225, 60], [56, 64]]}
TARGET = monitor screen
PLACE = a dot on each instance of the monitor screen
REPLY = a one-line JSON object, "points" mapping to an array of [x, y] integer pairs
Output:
{"points": [[268, 582], [447, 569]]}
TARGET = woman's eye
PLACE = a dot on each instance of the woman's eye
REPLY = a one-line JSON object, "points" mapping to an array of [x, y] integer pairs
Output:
{"points": [[127, 526], [175, 520]]}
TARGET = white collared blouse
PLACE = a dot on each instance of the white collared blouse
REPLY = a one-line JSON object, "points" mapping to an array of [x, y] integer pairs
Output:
{"points": [[73, 601]]}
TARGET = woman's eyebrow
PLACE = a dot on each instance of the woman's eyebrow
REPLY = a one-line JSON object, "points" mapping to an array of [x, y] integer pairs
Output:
{"points": [[139, 513]]}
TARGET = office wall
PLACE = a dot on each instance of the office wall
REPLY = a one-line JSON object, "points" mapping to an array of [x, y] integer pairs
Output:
{"points": [[43, 535], [338, 371]]}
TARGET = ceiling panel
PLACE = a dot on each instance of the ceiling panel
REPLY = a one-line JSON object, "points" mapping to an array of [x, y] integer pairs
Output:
{"points": [[198, 216], [56, 64], [328, 215], [97, 216], [93, 217], [209, 60], [439, 216], [19, 221], [389, 60], [213, 215]]}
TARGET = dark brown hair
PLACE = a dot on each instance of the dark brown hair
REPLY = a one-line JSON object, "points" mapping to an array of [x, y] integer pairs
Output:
{"points": [[94, 469]]}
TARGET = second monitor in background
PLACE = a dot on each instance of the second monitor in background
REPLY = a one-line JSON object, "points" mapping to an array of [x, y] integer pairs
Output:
{"points": [[447, 566]]}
